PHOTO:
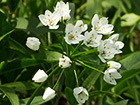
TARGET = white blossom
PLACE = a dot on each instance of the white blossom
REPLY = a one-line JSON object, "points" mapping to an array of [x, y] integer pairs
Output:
{"points": [[110, 75], [40, 76], [48, 94], [114, 65], [73, 33], [33, 43], [92, 38], [50, 19], [80, 94], [81, 26], [101, 25], [65, 62], [63, 10]]}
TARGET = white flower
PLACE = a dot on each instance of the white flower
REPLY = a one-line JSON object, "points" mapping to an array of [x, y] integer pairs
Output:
{"points": [[110, 75], [114, 65], [65, 62], [80, 94], [50, 19], [101, 25], [33, 43], [82, 27], [73, 33], [92, 38], [48, 94], [63, 10], [40, 76], [107, 50]]}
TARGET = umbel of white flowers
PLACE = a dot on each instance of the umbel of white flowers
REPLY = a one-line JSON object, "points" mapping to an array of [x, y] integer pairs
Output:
{"points": [[48, 94], [81, 94], [111, 73], [40, 76], [62, 12], [65, 62], [33, 43]]}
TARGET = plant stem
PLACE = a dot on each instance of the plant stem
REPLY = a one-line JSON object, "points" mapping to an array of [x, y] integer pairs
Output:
{"points": [[76, 78], [76, 48], [100, 100], [101, 8], [89, 66], [38, 88], [58, 79]]}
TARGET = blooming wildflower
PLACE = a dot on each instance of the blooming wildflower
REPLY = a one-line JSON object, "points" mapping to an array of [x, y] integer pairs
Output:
{"points": [[92, 38], [106, 50], [80, 94], [101, 25], [63, 10], [40, 76], [33, 43], [48, 94], [65, 62], [50, 19], [73, 33], [114, 65], [110, 75], [81, 26]]}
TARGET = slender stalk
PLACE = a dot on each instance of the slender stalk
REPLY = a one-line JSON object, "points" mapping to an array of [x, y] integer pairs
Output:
{"points": [[76, 78], [101, 8], [58, 79], [38, 88], [89, 66], [100, 100], [52, 68], [76, 48]]}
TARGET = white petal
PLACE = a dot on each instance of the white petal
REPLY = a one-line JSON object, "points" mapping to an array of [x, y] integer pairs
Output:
{"points": [[95, 19], [54, 27], [119, 44], [33, 43], [113, 64], [101, 58], [48, 94], [40, 76], [114, 37], [42, 18]]}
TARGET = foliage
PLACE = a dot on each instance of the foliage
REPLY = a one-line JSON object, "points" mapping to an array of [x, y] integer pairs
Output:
{"points": [[19, 20]]}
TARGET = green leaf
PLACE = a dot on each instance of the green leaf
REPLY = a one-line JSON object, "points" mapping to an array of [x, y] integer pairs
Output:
{"points": [[38, 100], [131, 62], [11, 95], [70, 96], [70, 78], [125, 76], [3, 36], [129, 19], [90, 80], [124, 102], [1, 65], [21, 87], [12, 4], [95, 93], [5, 27], [18, 48]]}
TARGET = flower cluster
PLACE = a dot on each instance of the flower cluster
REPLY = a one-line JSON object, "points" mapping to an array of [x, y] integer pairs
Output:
{"points": [[111, 73], [61, 12], [94, 38]]}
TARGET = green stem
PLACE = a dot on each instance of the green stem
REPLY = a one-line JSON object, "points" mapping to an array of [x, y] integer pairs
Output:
{"points": [[89, 66], [101, 8], [38, 88], [100, 100], [52, 67], [58, 79], [76, 78], [76, 48]]}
